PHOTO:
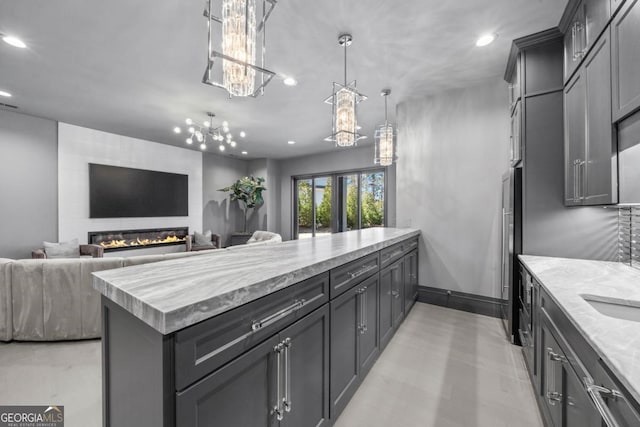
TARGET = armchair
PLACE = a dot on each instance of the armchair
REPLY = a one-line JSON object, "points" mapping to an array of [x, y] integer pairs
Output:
{"points": [[192, 246]]}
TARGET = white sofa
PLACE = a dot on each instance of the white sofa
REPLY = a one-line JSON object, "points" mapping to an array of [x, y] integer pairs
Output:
{"points": [[53, 300]]}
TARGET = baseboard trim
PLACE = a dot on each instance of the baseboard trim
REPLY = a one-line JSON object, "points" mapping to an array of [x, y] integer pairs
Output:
{"points": [[460, 301]]}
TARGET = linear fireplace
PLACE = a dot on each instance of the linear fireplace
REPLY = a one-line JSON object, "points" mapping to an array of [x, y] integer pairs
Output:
{"points": [[119, 240]]}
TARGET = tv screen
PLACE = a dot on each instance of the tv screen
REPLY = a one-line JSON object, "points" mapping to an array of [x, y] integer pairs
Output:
{"points": [[117, 192]]}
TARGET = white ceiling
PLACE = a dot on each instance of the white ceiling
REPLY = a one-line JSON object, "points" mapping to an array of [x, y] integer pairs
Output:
{"points": [[135, 67]]}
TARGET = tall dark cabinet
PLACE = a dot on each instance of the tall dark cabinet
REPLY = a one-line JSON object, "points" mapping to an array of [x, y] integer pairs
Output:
{"points": [[535, 76]]}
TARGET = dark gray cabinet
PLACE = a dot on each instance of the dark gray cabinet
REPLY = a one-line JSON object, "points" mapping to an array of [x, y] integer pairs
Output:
{"points": [[588, 21], [386, 310], [590, 148], [515, 139], [369, 337], [292, 358], [355, 341], [625, 61], [551, 390], [282, 382], [391, 300], [243, 393], [410, 280]]}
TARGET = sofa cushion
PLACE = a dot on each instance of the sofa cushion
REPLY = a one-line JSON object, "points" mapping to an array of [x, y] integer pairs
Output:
{"points": [[202, 239], [70, 249]]}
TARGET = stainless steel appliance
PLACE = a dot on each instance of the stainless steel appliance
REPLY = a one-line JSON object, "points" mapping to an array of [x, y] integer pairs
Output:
{"points": [[511, 247]]}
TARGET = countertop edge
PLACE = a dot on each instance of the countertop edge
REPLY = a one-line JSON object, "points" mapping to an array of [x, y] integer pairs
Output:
{"points": [[172, 321]]}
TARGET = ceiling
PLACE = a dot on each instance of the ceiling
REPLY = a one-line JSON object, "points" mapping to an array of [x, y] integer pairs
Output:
{"points": [[135, 67]]}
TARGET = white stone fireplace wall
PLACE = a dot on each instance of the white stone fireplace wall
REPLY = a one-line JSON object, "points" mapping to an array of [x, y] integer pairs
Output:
{"points": [[78, 146]]}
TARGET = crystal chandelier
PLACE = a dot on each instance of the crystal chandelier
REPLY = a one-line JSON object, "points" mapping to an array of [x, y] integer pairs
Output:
{"points": [[208, 133], [242, 26], [385, 134], [344, 101]]}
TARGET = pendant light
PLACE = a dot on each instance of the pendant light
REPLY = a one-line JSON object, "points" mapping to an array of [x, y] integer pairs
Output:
{"points": [[242, 60], [344, 101], [385, 152]]}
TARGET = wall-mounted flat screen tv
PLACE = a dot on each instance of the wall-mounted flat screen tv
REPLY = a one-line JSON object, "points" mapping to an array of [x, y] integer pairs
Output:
{"points": [[117, 192]]}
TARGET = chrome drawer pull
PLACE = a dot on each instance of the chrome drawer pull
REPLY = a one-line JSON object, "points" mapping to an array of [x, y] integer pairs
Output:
{"points": [[287, 375], [553, 397], [271, 319], [278, 408], [595, 393], [362, 270]]}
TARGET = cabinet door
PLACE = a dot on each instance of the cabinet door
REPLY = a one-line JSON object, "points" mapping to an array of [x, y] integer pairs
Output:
{"points": [[625, 59], [410, 280], [345, 357], [596, 16], [621, 406], [578, 409], [516, 135], [397, 293], [306, 361], [242, 393], [551, 376], [386, 316], [573, 43], [574, 138], [369, 337], [599, 172]]}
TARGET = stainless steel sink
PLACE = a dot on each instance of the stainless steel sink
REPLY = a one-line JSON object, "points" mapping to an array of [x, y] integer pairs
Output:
{"points": [[614, 307]]}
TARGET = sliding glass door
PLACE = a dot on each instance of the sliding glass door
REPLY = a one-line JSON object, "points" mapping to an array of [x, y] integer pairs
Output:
{"points": [[338, 202]]}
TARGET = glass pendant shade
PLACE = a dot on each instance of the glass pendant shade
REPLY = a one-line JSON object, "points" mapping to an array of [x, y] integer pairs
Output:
{"points": [[239, 65], [239, 42], [345, 99], [385, 153]]}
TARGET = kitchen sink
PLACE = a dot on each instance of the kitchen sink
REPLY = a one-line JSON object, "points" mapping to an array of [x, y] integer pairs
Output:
{"points": [[614, 307]]}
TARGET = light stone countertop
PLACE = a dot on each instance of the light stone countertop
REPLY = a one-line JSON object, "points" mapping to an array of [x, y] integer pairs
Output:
{"points": [[171, 295], [616, 341]]}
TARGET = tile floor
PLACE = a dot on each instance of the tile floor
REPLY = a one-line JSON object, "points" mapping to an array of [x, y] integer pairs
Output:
{"points": [[443, 368]]}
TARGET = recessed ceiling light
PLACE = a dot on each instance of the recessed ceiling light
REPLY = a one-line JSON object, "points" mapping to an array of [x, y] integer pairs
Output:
{"points": [[244, 153], [5, 94], [486, 39], [188, 121], [291, 142], [177, 129], [14, 41], [242, 134], [203, 146], [290, 81], [221, 147]]}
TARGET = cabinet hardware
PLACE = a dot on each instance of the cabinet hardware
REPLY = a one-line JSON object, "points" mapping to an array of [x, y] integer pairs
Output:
{"points": [[362, 270], [555, 356], [364, 310], [553, 397], [278, 408], [595, 392], [287, 375], [272, 318]]}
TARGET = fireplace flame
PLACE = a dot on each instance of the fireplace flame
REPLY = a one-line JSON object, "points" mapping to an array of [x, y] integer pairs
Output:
{"points": [[121, 243]]}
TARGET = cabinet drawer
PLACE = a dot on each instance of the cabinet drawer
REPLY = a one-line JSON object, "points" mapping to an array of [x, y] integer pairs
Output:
{"points": [[208, 345], [392, 253], [346, 276]]}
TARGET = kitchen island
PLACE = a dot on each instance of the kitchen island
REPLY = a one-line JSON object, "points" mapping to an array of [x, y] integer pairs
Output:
{"points": [[274, 334]]}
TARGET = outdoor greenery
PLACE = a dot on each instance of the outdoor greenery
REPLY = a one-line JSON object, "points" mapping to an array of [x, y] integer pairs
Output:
{"points": [[372, 203]]}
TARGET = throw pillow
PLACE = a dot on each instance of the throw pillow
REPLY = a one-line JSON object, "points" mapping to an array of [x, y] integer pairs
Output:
{"points": [[70, 249], [203, 239]]}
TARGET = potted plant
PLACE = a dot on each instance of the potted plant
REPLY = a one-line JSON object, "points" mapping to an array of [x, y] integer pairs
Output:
{"points": [[248, 192]]}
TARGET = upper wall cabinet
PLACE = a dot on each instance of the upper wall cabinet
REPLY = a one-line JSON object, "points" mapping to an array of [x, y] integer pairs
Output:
{"points": [[590, 149], [625, 60], [588, 21]]}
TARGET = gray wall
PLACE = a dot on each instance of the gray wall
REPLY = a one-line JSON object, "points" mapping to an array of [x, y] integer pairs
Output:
{"points": [[453, 150], [28, 183], [220, 215], [333, 161]]}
